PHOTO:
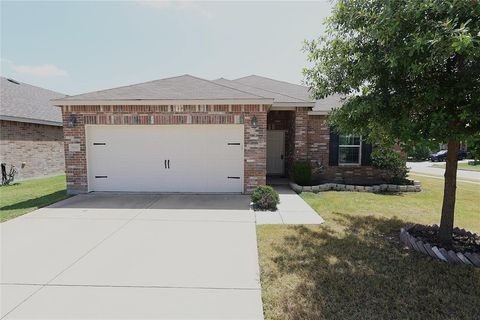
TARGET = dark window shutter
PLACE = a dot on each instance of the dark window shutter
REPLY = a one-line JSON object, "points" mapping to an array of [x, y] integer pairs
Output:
{"points": [[333, 149], [366, 152]]}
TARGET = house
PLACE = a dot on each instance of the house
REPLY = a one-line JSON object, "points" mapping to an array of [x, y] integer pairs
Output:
{"points": [[31, 136], [187, 134]]}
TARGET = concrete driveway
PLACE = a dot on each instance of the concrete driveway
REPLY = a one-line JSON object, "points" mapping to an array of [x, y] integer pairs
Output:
{"points": [[132, 256]]}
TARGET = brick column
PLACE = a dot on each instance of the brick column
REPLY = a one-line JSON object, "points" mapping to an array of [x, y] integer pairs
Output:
{"points": [[301, 134], [75, 154], [255, 150]]}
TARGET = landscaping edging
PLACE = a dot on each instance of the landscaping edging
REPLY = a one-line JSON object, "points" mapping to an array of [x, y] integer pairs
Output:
{"points": [[416, 187], [468, 258]]}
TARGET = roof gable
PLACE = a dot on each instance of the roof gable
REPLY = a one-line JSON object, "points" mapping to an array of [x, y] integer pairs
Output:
{"points": [[26, 103]]}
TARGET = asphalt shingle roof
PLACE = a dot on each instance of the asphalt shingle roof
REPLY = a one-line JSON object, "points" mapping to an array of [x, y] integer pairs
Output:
{"points": [[295, 91], [26, 103], [329, 103], [282, 87], [185, 87], [277, 97]]}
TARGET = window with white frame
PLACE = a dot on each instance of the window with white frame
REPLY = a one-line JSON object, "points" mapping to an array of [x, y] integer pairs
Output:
{"points": [[349, 150]]}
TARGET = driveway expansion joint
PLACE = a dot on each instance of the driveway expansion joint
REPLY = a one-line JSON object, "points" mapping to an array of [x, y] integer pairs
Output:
{"points": [[132, 286]]}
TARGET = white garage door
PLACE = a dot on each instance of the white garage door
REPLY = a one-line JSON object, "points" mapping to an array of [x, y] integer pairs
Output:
{"points": [[165, 158]]}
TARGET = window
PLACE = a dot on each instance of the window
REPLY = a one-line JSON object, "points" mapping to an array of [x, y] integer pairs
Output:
{"points": [[349, 150]]}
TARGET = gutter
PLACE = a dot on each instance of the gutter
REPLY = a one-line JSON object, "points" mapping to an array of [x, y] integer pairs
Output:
{"points": [[35, 121], [318, 113]]}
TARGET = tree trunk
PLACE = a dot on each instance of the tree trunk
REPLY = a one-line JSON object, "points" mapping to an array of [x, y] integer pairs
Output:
{"points": [[450, 188]]}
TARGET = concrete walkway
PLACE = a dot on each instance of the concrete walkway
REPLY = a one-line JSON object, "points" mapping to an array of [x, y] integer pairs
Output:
{"points": [[132, 256], [291, 210]]}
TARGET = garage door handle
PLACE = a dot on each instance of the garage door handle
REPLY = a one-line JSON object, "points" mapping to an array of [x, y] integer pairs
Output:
{"points": [[165, 163], [168, 163]]}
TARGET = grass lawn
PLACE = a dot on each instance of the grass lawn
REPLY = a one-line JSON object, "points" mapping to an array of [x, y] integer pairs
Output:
{"points": [[354, 267], [461, 166], [26, 196]]}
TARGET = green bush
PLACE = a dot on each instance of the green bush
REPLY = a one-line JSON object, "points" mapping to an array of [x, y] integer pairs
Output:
{"points": [[474, 148], [387, 159], [419, 153], [302, 173], [265, 198]]}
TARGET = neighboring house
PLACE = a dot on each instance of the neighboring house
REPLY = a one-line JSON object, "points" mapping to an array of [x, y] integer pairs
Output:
{"points": [[186, 134], [31, 136]]}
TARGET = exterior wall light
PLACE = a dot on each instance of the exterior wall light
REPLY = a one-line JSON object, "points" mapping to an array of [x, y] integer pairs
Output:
{"points": [[72, 121], [254, 121]]}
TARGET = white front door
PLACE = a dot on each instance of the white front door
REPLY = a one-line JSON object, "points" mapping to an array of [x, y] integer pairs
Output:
{"points": [[275, 152], [165, 158]]}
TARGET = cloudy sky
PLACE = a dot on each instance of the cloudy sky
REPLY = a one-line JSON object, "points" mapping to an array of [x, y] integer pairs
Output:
{"points": [[75, 47]]}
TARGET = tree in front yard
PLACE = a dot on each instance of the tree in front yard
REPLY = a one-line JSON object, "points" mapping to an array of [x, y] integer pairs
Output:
{"points": [[410, 70]]}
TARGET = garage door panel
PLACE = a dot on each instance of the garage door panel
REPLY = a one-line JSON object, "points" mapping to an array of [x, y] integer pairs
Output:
{"points": [[202, 158]]}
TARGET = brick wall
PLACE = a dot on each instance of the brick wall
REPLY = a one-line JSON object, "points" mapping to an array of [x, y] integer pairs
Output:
{"points": [[75, 159], [301, 134], [318, 153], [39, 146], [255, 137], [318, 142], [255, 152]]}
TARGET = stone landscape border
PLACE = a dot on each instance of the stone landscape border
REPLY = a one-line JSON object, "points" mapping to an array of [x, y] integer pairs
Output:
{"points": [[450, 256], [416, 187]]}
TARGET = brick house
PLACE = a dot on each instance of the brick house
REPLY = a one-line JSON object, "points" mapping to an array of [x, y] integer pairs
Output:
{"points": [[186, 134], [31, 135]]}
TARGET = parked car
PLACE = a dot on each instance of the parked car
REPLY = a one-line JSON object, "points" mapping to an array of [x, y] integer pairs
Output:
{"points": [[442, 155]]}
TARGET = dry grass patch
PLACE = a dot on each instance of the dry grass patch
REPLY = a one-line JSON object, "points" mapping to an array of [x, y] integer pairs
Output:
{"points": [[354, 267]]}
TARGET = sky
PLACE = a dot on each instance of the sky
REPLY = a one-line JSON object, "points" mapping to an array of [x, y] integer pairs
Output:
{"points": [[77, 47]]}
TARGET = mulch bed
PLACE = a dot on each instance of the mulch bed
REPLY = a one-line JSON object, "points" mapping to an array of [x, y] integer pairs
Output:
{"points": [[465, 247], [462, 242]]}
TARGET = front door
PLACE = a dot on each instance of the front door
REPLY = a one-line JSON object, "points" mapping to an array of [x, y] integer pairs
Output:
{"points": [[275, 152]]}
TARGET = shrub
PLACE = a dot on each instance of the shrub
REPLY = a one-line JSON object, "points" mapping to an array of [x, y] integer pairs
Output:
{"points": [[265, 198], [302, 173], [419, 153], [387, 159], [474, 149]]}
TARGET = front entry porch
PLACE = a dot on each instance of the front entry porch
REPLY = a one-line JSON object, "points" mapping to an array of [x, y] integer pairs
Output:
{"points": [[280, 143]]}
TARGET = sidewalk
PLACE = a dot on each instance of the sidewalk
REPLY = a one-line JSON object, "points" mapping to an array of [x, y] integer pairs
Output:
{"points": [[291, 210]]}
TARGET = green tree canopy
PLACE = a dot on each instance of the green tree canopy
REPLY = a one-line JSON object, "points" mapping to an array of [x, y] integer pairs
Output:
{"points": [[409, 69]]}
